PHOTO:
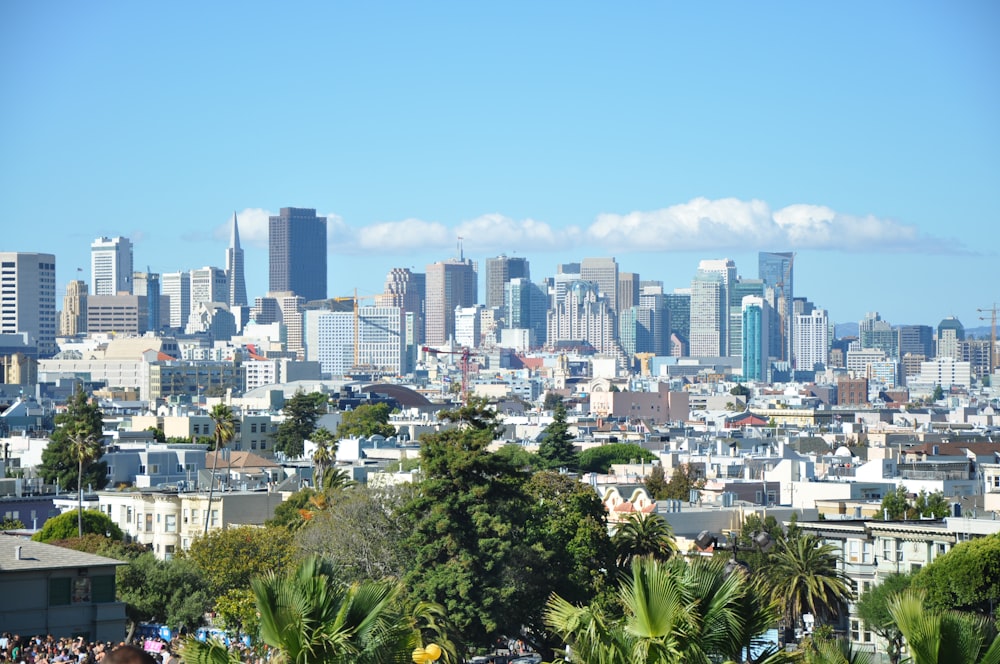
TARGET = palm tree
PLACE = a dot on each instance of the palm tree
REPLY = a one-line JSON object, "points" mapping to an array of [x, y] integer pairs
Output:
{"points": [[934, 637], [86, 448], [326, 451], [643, 535], [224, 431], [674, 611], [805, 576]]}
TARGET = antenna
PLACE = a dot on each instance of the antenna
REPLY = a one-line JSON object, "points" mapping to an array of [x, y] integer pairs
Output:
{"points": [[461, 256]]}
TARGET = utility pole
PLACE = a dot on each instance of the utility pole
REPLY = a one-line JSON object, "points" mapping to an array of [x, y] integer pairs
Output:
{"points": [[993, 336]]}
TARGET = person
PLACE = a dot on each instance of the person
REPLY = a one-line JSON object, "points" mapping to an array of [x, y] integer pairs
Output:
{"points": [[128, 655]]}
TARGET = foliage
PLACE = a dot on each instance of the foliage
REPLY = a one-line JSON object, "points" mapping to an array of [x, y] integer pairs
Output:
{"points": [[10, 523], [674, 611], [938, 393], [79, 429], [467, 541], [804, 576], [748, 550], [965, 578], [366, 420], [301, 413], [643, 535], [287, 514], [325, 454], [933, 505], [359, 532], [895, 504], [656, 483], [64, 526], [158, 434], [938, 637], [101, 545], [740, 391], [683, 479], [519, 457], [552, 399], [821, 649], [223, 431], [169, 592], [873, 609], [599, 459], [229, 559], [556, 449]]}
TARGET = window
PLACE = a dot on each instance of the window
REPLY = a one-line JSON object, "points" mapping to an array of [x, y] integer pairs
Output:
{"points": [[853, 547], [168, 552], [855, 630], [888, 550], [154, 469], [867, 551], [215, 517], [149, 523], [170, 523]]}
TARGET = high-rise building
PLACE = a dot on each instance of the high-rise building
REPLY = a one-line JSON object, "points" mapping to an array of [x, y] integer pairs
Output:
{"points": [[916, 340], [873, 332], [527, 306], [111, 266], [451, 283], [405, 289], [122, 314], [812, 341], [176, 286], [73, 318], [950, 332], [604, 273], [329, 340], [775, 269], [709, 313], [148, 285], [28, 289], [297, 252], [628, 290], [755, 355], [208, 284], [738, 290], [652, 298], [678, 306], [234, 270], [499, 272], [585, 316]]}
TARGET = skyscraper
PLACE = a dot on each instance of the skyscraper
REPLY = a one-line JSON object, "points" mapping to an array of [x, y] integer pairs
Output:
{"points": [[450, 284], [297, 251], [28, 285], [812, 340], [499, 272], [755, 338], [111, 266], [234, 270], [73, 319], [737, 291], [148, 284], [775, 269], [709, 311], [208, 284], [604, 273], [176, 286]]}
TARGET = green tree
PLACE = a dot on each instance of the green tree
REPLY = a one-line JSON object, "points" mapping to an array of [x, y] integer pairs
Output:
{"points": [[599, 459], [468, 545], [938, 394], [647, 535], [229, 559], [940, 637], [931, 505], [895, 505], [556, 449], [873, 609], [682, 480], [366, 420], [966, 578], [68, 524], [223, 431], [519, 457], [169, 592], [301, 413], [804, 576], [10, 523], [325, 453], [656, 483], [740, 391], [552, 399]]}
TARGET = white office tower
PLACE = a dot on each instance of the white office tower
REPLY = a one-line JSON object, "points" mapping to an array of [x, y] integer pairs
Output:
{"points": [[381, 346], [208, 284], [469, 326], [111, 266], [583, 316], [811, 340], [709, 315], [28, 287], [604, 273], [176, 287]]}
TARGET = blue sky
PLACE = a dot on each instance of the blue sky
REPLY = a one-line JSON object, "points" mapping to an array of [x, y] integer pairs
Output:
{"points": [[863, 136]]}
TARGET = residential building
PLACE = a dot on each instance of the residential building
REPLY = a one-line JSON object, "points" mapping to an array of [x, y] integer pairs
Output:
{"points": [[450, 284], [28, 291], [235, 277], [73, 318], [852, 392], [111, 266], [297, 252], [585, 317]]}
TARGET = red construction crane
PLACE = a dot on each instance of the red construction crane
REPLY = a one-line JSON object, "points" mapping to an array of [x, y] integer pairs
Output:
{"points": [[465, 354]]}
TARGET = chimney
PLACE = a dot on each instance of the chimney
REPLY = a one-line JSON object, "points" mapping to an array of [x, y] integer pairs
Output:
{"points": [[17, 553]]}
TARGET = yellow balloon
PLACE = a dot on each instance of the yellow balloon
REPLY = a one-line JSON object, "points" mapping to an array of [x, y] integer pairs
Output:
{"points": [[419, 656], [433, 651]]}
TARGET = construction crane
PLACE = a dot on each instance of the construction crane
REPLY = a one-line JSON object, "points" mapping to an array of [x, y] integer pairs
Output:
{"points": [[465, 354], [357, 319], [993, 336]]}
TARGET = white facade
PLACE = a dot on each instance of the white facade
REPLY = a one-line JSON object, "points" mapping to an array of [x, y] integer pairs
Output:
{"points": [[330, 339], [468, 326], [111, 266], [176, 287], [208, 284], [811, 340], [28, 288], [946, 372], [709, 314]]}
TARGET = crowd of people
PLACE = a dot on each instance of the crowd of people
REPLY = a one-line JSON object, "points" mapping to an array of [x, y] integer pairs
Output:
{"points": [[16, 649]]}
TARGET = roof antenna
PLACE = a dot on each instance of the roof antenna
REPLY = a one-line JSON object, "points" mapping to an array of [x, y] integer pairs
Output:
{"points": [[461, 256]]}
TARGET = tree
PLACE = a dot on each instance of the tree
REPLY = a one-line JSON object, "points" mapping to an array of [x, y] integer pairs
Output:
{"points": [[931, 505], [366, 420], [556, 449], [10, 523], [804, 576], [222, 432], [599, 459], [229, 559], [675, 611], [656, 483], [740, 391], [681, 482], [552, 399], [325, 454], [643, 535], [966, 578], [521, 458], [169, 592], [895, 505], [939, 637], [938, 394], [873, 609], [68, 525], [301, 413], [71, 457], [467, 543]]}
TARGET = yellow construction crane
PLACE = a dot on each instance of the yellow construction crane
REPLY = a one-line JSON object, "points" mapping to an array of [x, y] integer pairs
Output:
{"points": [[357, 318], [993, 336]]}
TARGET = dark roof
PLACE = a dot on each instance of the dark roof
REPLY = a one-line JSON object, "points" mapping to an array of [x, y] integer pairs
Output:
{"points": [[406, 397], [35, 555]]}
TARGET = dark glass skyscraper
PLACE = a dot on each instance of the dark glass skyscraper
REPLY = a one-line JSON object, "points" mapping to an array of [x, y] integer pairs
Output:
{"points": [[775, 269], [297, 247]]}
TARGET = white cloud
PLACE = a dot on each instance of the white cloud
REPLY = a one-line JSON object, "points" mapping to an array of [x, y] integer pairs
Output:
{"points": [[253, 227]]}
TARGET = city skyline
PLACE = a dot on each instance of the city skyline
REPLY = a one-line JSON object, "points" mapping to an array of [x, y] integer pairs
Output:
{"points": [[860, 137]]}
